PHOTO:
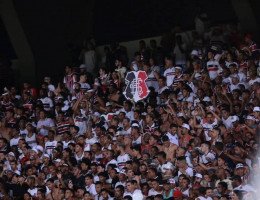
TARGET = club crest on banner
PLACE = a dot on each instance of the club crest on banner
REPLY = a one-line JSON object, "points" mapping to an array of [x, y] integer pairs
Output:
{"points": [[136, 87]]}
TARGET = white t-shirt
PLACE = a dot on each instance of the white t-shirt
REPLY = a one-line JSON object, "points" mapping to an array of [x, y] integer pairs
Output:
{"points": [[213, 68], [228, 122], [189, 172], [152, 81], [91, 189], [121, 160], [33, 191], [46, 122], [14, 141], [207, 158], [47, 103], [251, 82], [127, 132], [81, 122], [51, 87], [162, 89], [162, 168], [208, 127], [174, 139], [152, 192], [31, 141], [136, 195], [49, 146]]}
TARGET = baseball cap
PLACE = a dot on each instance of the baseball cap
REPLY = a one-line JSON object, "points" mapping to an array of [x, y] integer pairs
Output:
{"points": [[11, 154], [73, 98], [250, 117], [108, 104], [180, 114], [256, 109], [35, 150], [96, 114], [198, 175], [178, 67], [122, 172], [82, 66], [135, 125], [46, 155], [234, 118], [177, 193], [39, 148], [167, 166], [185, 126], [239, 165], [87, 148], [90, 90], [195, 52], [207, 99]]}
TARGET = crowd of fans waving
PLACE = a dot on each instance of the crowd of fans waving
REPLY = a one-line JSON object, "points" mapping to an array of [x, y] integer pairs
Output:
{"points": [[196, 136]]}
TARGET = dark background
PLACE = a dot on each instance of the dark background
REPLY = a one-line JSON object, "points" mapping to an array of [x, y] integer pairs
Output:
{"points": [[56, 29], [129, 20]]}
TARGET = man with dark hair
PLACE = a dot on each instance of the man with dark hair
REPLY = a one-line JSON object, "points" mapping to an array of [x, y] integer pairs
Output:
{"points": [[237, 184], [131, 190], [222, 188], [155, 189], [169, 148], [207, 156], [119, 192], [164, 165], [89, 183]]}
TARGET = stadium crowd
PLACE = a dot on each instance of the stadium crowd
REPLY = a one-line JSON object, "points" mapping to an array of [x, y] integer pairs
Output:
{"points": [[196, 136]]}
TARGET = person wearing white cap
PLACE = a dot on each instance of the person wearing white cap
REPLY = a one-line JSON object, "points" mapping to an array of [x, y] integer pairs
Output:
{"points": [[250, 123], [256, 113], [185, 135], [45, 160], [240, 170], [235, 82]]}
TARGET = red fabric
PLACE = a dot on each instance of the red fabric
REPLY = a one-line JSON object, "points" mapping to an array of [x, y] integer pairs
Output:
{"points": [[143, 87]]}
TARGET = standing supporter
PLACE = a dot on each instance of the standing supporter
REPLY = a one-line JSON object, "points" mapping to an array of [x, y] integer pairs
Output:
{"points": [[196, 135]]}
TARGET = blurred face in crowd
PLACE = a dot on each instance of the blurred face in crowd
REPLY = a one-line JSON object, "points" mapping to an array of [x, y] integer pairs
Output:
{"points": [[130, 187], [168, 63], [210, 55], [210, 118]]}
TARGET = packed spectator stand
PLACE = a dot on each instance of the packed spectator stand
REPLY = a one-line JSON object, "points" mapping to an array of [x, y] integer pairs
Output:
{"points": [[196, 135]]}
